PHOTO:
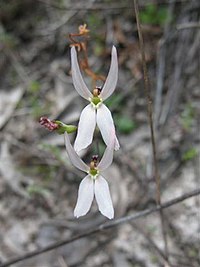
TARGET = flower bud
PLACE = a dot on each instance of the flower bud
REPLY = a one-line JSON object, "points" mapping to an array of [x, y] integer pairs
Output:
{"points": [[56, 126], [48, 124]]}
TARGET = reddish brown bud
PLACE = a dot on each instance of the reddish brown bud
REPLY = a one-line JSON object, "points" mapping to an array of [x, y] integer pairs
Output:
{"points": [[48, 124]]}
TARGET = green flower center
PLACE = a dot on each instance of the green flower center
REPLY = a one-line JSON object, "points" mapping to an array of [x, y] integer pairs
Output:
{"points": [[96, 100], [93, 172]]}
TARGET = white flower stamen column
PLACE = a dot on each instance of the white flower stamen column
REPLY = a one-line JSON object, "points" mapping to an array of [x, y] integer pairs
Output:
{"points": [[95, 112]]}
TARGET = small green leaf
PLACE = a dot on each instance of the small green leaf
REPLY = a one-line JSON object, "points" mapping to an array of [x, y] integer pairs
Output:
{"points": [[8, 40], [98, 49], [34, 87], [154, 15], [54, 150], [124, 124], [36, 189], [190, 154], [187, 117], [114, 101]]}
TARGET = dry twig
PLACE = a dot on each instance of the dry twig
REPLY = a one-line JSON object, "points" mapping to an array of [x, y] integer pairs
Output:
{"points": [[188, 25], [150, 119]]}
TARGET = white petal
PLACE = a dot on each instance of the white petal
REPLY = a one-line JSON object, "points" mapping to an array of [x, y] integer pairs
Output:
{"points": [[112, 77], [86, 127], [75, 159], [85, 196], [78, 82], [103, 198], [106, 125], [107, 158]]}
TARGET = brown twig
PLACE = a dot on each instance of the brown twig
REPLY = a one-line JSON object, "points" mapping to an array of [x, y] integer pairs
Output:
{"points": [[102, 227], [149, 102], [150, 119]]}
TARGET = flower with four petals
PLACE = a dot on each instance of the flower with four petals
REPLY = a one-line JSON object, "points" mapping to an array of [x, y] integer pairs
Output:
{"points": [[95, 112], [94, 184]]}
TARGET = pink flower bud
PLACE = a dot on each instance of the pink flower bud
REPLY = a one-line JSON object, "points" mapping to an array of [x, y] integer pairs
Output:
{"points": [[48, 124]]}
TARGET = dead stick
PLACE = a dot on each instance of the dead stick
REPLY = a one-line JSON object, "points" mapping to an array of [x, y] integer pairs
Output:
{"points": [[150, 119]]}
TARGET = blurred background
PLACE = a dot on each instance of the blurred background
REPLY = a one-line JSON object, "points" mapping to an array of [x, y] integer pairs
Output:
{"points": [[38, 184]]}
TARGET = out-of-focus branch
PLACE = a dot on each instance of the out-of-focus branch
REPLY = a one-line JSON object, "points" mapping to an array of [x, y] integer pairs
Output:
{"points": [[188, 25], [102, 227], [150, 120]]}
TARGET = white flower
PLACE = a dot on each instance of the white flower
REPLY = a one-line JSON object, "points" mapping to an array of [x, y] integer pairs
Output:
{"points": [[96, 112], [94, 183]]}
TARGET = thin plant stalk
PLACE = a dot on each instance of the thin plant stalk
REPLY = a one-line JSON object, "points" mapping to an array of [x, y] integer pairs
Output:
{"points": [[150, 120]]}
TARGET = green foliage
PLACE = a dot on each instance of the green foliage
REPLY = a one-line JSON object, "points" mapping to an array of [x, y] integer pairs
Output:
{"points": [[154, 259], [190, 154], [193, 252], [38, 110], [124, 124], [154, 15], [151, 229], [54, 150], [37, 190], [33, 100], [114, 101], [187, 117], [93, 21], [7, 40], [34, 87], [98, 49], [45, 172], [101, 147]]}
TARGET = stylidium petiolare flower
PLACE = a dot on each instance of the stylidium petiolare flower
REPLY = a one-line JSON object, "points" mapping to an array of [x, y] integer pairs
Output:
{"points": [[94, 184], [95, 112]]}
